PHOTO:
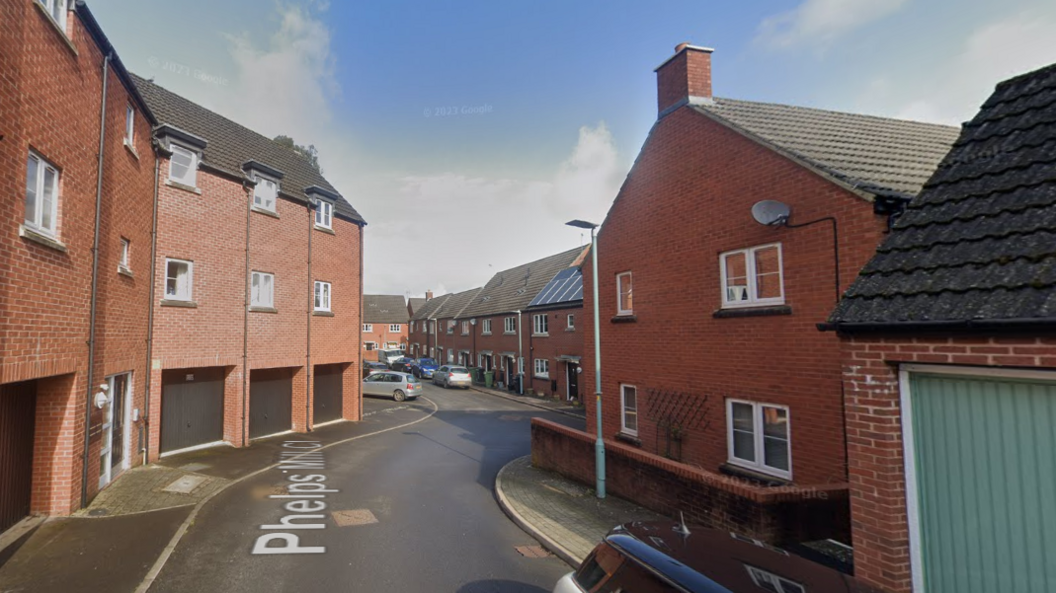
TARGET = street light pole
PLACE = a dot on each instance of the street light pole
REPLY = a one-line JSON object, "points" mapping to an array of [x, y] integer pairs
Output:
{"points": [[599, 444]]}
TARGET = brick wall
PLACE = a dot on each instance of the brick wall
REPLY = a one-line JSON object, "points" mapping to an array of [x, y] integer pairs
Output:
{"points": [[776, 515], [560, 341], [499, 343], [874, 434], [706, 177]]}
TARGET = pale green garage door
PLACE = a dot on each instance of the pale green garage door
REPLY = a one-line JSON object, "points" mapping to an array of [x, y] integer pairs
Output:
{"points": [[985, 456]]}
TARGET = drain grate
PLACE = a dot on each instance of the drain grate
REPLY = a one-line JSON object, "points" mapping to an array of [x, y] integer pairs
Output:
{"points": [[532, 551], [354, 517], [185, 485]]}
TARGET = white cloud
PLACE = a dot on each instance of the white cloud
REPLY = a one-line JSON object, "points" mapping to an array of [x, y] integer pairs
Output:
{"points": [[953, 90], [817, 23]]}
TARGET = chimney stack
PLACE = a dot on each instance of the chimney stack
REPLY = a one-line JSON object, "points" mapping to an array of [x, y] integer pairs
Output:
{"points": [[428, 295], [684, 78]]}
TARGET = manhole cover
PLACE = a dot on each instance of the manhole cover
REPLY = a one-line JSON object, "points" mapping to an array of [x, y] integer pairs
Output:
{"points": [[98, 512], [532, 551], [195, 467], [185, 485], [353, 518]]}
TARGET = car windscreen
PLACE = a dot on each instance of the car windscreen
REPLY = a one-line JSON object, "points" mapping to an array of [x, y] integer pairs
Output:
{"points": [[393, 352], [427, 361], [459, 370]]}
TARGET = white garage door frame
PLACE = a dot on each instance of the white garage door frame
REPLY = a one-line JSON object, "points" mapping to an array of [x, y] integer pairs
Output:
{"points": [[909, 450]]}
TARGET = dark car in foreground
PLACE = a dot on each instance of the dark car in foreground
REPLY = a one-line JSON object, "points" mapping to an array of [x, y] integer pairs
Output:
{"points": [[373, 366], [402, 364], [668, 556], [423, 368]]}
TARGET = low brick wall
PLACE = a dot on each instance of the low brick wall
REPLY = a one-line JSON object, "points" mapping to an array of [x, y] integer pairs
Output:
{"points": [[779, 515]]}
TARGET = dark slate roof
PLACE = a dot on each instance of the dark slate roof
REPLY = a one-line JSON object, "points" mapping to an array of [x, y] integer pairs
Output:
{"points": [[431, 306], [565, 288], [454, 306], [978, 245], [231, 144], [384, 308], [415, 303], [512, 290], [877, 155]]}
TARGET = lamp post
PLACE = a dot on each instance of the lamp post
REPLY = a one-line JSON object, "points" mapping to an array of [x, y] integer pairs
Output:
{"points": [[599, 444]]}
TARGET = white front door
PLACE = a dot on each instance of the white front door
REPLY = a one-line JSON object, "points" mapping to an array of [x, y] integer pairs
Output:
{"points": [[113, 456]]}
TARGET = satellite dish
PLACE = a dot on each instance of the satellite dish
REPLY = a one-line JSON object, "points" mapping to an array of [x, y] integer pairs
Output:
{"points": [[771, 212]]}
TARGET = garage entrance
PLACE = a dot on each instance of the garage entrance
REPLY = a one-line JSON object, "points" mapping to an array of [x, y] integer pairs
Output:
{"points": [[18, 412], [984, 482], [326, 393], [270, 402], [192, 408]]}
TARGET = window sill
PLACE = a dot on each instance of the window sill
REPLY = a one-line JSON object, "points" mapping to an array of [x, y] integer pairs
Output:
{"points": [[258, 309], [509, 333], [762, 311], [625, 319], [535, 335], [264, 211], [542, 377], [124, 271], [37, 237], [569, 329], [175, 303], [323, 313], [178, 185], [57, 28], [132, 149], [629, 438], [485, 333], [325, 230], [755, 475]]}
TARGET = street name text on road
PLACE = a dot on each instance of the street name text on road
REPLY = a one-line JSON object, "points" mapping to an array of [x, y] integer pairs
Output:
{"points": [[304, 492]]}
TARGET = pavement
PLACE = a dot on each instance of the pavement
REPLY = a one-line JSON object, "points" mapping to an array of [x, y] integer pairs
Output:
{"points": [[564, 515], [543, 403]]}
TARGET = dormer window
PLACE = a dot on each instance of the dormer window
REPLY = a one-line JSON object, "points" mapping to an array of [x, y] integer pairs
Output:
{"points": [[183, 166], [324, 214], [265, 193]]}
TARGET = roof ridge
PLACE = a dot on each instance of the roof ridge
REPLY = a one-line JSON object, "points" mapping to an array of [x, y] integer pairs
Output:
{"points": [[881, 118]]}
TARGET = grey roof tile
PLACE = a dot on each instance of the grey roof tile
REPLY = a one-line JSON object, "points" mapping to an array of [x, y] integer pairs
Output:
{"points": [[454, 306], [384, 308], [415, 303], [876, 154], [513, 289], [430, 307]]}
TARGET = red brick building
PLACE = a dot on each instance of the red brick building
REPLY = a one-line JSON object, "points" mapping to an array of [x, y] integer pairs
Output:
{"points": [[386, 323], [257, 306], [949, 366], [422, 335], [709, 351], [77, 173]]}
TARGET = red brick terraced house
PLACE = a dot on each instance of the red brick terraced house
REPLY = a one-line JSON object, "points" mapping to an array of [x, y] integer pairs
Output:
{"points": [[423, 337], [385, 323], [77, 175], [714, 377], [454, 340], [949, 365], [555, 339], [256, 309]]}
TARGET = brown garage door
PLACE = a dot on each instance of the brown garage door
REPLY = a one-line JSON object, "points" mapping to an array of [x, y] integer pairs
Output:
{"points": [[326, 394], [270, 401], [18, 403], [192, 408]]}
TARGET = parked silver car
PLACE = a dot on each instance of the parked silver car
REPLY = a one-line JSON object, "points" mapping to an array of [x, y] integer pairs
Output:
{"points": [[450, 374], [398, 386]]}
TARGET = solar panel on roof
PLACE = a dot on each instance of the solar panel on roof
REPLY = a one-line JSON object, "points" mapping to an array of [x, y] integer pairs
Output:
{"points": [[566, 286]]}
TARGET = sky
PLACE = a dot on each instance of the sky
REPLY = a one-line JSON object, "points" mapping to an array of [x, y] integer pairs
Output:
{"points": [[467, 133]]}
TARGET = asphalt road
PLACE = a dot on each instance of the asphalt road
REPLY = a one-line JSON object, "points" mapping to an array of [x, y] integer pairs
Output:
{"points": [[416, 502]]}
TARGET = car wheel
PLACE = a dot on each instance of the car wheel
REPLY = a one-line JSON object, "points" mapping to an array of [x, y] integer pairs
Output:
{"points": [[399, 395], [446, 384]]}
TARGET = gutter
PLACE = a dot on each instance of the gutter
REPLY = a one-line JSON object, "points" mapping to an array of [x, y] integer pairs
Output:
{"points": [[1017, 324], [95, 282]]}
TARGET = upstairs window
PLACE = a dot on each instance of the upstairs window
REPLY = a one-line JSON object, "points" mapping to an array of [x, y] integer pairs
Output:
{"points": [[450, 326], [752, 277], [624, 294], [126, 254], [510, 325], [540, 324], [322, 296], [486, 327], [262, 290], [367, 327], [571, 322], [183, 166], [465, 328], [394, 327], [130, 125], [265, 193], [179, 279], [57, 10], [42, 195], [324, 214]]}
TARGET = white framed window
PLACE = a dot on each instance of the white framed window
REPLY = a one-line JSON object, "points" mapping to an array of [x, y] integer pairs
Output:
{"points": [[265, 193], [179, 279], [629, 409], [126, 254], [262, 289], [450, 355], [485, 327], [324, 214], [752, 277], [394, 327], [768, 581], [367, 327], [412, 326], [370, 346], [322, 296], [130, 125], [465, 328], [542, 368], [571, 322], [57, 10], [432, 326], [510, 325], [183, 166], [540, 324], [450, 326], [759, 437], [624, 294], [42, 195]]}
